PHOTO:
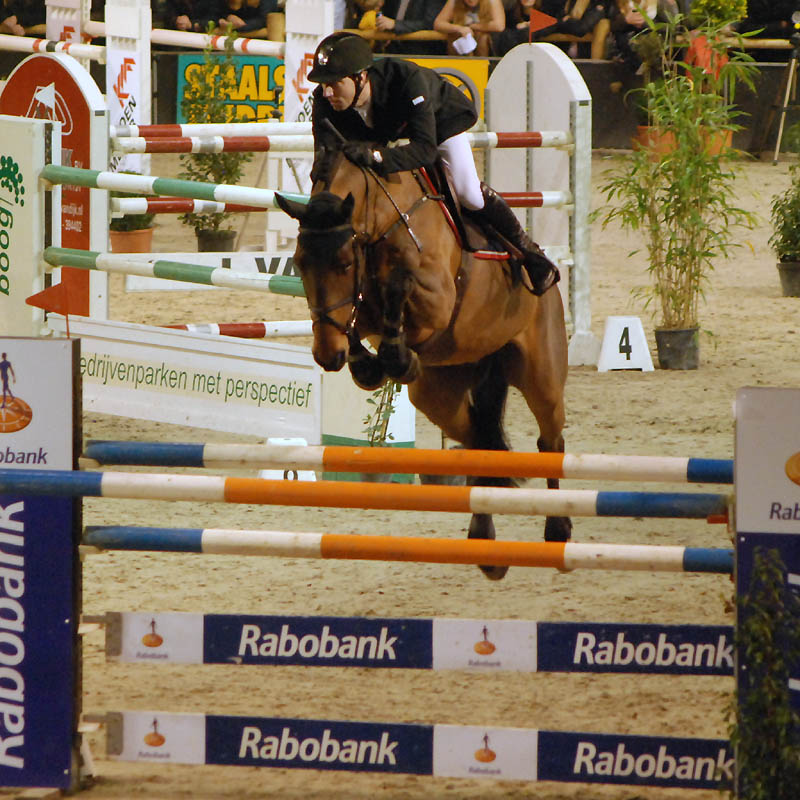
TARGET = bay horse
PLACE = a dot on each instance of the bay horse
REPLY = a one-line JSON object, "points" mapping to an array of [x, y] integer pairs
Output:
{"points": [[381, 260]]}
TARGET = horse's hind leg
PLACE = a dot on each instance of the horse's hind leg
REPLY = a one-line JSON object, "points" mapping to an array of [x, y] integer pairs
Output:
{"points": [[486, 409], [446, 396], [539, 371], [556, 529]]}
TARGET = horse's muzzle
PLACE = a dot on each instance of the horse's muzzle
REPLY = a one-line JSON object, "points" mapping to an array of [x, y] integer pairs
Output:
{"points": [[330, 362]]}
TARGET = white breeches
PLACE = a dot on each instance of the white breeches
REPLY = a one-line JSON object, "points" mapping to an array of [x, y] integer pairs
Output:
{"points": [[456, 155]]}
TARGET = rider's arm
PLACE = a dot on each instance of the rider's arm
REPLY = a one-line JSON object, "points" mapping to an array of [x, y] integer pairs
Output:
{"points": [[495, 23], [444, 21]]}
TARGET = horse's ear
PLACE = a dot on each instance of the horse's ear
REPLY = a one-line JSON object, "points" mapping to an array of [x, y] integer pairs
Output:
{"points": [[292, 207], [347, 205]]}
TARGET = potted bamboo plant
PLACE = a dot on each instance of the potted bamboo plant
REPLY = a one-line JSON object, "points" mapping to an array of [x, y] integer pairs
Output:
{"points": [[209, 98], [681, 198], [785, 239]]}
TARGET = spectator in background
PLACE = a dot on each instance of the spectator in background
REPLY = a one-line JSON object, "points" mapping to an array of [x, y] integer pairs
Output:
{"points": [[23, 16], [190, 15], [407, 16], [463, 20], [245, 15], [627, 22], [573, 17]]}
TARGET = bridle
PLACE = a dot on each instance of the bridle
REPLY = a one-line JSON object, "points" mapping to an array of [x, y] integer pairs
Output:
{"points": [[362, 243]]}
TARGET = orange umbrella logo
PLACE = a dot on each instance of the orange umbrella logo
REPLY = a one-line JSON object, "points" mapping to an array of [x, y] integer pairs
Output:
{"points": [[152, 639], [484, 647], [793, 469], [154, 738]]}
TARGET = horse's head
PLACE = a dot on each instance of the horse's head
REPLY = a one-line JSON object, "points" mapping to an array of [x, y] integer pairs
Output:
{"points": [[326, 259]]}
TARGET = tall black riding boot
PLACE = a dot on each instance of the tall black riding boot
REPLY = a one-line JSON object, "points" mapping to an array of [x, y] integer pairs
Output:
{"points": [[542, 272]]}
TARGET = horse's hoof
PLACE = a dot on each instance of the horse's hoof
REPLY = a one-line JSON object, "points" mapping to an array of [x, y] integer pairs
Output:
{"points": [[494, 573], [400, 363], [412, 373], [557, 529], [442, 480], [367, 373], [481, 526]]}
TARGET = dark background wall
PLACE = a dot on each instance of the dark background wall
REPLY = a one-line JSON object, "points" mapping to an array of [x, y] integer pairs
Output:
{"points": [[614, 118]]}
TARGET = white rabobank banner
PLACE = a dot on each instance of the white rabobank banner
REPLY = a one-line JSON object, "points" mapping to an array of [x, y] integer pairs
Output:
{"points": [[767, 460]]}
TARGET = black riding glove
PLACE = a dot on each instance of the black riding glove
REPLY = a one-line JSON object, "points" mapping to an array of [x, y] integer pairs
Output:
{"points": [[362, 154]]}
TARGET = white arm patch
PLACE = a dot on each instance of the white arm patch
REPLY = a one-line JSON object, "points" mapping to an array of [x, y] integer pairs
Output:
{"points": [[417, 100]]}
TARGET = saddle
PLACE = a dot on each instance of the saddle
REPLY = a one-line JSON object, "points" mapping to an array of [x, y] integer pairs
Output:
{"points": [[476, 236]]}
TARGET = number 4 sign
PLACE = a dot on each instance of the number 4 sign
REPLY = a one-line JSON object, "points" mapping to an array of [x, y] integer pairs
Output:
{"points": [[624, 346]]}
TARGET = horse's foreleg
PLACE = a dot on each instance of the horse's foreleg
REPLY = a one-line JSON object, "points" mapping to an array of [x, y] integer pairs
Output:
{"points": [[399, 361], [366, 369]]}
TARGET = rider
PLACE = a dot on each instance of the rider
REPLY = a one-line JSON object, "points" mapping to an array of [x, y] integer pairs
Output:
{"points": [[388, 99]]}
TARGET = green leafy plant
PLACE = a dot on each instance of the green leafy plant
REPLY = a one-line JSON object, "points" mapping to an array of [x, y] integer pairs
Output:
{"points": [[785, 214], [718, 12], [681, 197], [129, 222], [209, 98], [763, 727], [376, 423]]}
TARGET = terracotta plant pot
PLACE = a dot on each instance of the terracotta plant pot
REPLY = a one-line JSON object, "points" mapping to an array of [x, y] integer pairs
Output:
{"points": [[138, 241], [789, 272], [662, 142]]}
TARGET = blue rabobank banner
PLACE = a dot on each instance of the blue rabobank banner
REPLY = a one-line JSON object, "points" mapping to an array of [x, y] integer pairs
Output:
{"points": [[636, 760], [610, 647], [38, 578], [317, 641], [36, 641], [319, 744]]}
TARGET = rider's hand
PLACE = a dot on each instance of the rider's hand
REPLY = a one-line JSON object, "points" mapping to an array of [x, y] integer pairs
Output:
{"points": [[360, 153]]}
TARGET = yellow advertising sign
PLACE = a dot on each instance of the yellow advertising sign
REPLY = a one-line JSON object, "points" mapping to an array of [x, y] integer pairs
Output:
{"points": [[469, 74]]}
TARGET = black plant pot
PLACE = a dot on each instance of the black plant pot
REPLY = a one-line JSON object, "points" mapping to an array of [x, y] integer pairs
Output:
{"points": [[215, 241], [789, 272], [678, 348]]}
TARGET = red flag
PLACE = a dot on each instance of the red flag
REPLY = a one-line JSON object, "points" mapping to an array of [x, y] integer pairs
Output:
{"points": [[537, 21], [60, 298]]}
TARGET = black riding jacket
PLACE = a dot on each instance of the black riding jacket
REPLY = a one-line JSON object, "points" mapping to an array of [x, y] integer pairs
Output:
{"points": [[408, 102]]}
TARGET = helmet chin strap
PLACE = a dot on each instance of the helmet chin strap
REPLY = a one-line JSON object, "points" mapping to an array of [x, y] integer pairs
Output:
{"points": [[359, 80]]}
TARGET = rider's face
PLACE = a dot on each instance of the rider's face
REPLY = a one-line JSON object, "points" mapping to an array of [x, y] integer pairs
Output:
{"points": [[340, 93]]}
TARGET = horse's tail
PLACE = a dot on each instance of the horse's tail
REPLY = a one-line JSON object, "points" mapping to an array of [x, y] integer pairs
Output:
{"points": [[486, 410]]}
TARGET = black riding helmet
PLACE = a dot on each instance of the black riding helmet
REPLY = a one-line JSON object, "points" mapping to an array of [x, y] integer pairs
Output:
{"points": [[338, 56]]}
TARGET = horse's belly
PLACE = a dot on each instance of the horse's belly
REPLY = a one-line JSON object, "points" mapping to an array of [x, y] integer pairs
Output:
{"points": [[490, 315]]}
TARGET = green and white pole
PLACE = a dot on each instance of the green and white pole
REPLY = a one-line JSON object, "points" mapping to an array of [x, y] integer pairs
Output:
{"points": [[174, 187], [174, 270]]}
